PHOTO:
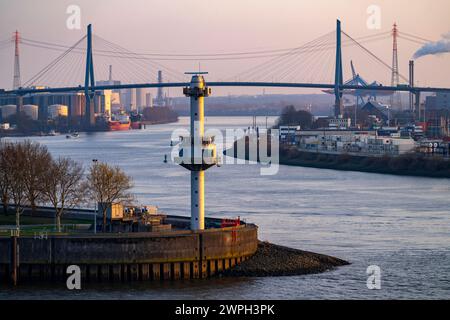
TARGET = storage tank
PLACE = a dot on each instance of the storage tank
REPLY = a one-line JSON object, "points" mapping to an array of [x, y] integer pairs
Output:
{"points": [[31, 111], [8, 110], [58, 110]]}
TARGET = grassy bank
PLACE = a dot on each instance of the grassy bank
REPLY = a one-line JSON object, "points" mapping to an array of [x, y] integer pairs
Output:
{"points": [[31, 225], [10, 219]]}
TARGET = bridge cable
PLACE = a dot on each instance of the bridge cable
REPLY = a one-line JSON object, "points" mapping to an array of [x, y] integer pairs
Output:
{"points": [[374, 56], [52, 64], [141, 68]]}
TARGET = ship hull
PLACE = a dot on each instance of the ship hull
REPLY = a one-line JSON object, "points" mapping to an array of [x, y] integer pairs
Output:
{"points": [[118, 126], [136, 125]]}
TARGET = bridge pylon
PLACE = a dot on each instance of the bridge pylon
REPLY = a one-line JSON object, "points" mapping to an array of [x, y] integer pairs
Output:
{"points": [[339, 78], [89, 81]]}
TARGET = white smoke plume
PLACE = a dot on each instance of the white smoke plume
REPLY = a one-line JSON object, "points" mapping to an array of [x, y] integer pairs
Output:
{"points": [[434, 48]]}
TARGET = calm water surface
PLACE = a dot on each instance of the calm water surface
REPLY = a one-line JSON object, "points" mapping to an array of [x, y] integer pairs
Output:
{"points": [[401, 224]]}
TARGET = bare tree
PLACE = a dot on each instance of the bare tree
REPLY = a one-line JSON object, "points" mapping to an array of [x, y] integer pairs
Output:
{"points": [[16, 163], [37, 162], [108, 185], [64, 187], [4, 176]]}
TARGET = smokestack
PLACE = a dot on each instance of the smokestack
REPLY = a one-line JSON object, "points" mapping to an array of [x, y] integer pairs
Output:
{"points": [[411, 84], [160, 95], [110, 73]]}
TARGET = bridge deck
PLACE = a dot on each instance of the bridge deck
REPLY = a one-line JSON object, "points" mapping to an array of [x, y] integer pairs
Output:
{"points": [[21, 92]]}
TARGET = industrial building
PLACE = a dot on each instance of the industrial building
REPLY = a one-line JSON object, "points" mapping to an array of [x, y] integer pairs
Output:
{"points": [[380, 111], [439, 101], [436, 115], [75, 103], [32, 111], [43, 106], [148, 100], [353, 142], [340, 123], [287, 134]]}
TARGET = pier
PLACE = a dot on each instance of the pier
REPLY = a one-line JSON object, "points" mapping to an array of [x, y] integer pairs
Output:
{"points": [[173, 255]]}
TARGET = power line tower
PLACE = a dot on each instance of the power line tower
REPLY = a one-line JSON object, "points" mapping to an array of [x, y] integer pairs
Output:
{"points": [[110, 78], [395, 98], [16, 82]]}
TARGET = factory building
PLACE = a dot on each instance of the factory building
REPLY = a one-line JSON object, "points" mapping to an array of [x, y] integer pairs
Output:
{"points": [[287, 134], [443, 100], [340, 123], [128, 99], [110, 99], [380, 111], [353, 142], [148, 100], [104, 106], [75, 102], [437, 115], [440, 101]]}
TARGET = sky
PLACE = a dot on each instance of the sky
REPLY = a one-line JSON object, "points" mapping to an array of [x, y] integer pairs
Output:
{"points": [[218, 26]]}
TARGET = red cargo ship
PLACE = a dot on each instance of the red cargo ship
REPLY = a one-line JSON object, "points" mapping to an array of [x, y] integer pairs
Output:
{"points": [[119, 123]]}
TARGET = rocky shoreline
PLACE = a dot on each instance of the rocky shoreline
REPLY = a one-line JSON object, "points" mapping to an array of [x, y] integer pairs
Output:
{"points": [[272, 260]]}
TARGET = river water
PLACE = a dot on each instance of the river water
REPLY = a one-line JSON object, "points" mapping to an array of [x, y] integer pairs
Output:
{"points": [[401, 224]]}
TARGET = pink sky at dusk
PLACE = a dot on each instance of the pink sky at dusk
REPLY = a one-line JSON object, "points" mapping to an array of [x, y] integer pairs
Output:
{"points": [[210, 26]]}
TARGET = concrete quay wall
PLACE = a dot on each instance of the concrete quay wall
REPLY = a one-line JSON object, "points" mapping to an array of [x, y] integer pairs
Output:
{"points": [[128, 257]]}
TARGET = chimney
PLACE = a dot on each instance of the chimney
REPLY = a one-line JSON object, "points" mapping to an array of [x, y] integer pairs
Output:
{"points": [[411, 84], [110, 73]]}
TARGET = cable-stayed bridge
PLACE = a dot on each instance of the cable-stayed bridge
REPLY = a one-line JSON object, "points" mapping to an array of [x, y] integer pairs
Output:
{"points": [[319, 64]]}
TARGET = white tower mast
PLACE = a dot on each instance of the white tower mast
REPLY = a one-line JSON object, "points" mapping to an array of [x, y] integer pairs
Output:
{"points": [[197, 153]]}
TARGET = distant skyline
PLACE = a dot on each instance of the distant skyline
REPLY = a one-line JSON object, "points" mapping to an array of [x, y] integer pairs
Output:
{"points": [[209, 26]]}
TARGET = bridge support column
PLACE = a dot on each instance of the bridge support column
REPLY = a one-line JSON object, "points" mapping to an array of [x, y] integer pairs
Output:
{"points": [[417, 110], [339, 79], [89, 80], [411, 84]]}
